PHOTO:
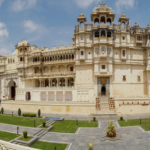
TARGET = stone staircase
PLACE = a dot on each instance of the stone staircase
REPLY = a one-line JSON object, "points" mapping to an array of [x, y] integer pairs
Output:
{"points": [[104, 107], [18, 143]]}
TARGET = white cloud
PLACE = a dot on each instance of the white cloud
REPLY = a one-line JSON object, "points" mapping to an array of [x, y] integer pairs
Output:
{"points": [[5, 52], [31, 27], [1, 1], [3, 30], [124, 3], [86, 3], [19, 5]]}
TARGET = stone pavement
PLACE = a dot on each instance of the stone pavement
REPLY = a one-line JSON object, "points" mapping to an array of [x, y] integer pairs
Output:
{"points": [[13, 129], [133, 138]]}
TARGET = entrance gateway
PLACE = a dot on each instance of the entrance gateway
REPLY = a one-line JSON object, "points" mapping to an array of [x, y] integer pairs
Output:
{"points": [[103, 86]]}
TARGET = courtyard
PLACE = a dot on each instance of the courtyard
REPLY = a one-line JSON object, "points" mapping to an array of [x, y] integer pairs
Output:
{"points": [[75, 132]]}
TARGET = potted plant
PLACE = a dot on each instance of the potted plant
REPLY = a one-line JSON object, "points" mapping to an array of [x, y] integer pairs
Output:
{"points": [[119, 104], [144, 102], [123, 102], [138, 102], [132, 102]]}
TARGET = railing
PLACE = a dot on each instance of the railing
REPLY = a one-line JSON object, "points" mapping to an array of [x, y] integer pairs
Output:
{"points": [[59, 61], [64, 73]]}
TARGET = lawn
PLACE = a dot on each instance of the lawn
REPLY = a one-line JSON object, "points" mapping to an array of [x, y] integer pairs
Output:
{"points": [[6, 136], [21, 121], [25, 139], [145, 123], [69, 126], [48, 146]]}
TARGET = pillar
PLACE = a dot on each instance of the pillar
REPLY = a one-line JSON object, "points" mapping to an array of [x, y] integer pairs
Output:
{"points": [[55, 96], [46, 96], [63, 95], [66, 81], [57, 82]]}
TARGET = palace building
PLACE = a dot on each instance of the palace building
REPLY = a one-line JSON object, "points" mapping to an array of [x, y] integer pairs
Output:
{"points": [[106, 70]]}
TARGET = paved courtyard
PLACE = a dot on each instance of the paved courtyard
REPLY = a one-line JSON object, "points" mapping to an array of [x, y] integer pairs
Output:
{"points": [[133, 138]]}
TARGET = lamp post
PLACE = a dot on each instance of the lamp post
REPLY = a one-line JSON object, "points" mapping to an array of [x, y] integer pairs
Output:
{"points": [[17, 130], [90, 145]]}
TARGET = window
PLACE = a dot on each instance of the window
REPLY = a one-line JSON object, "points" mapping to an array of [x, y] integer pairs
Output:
{"points": [[81, 37], [82, 53], [21, 59], [109, 34], [96, 21], [89, 53], [96, 50], [71, 68], [96, 34], [139, 38], [91, 37], [81, 24], [103, 33], [123, 53], [139, 79], [123, 38], [103, 66], [109, 50], [124, 78]]}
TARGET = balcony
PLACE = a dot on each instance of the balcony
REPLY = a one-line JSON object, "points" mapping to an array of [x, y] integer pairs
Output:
{"points": [[34, 63], [58, 61], [67, 73]]}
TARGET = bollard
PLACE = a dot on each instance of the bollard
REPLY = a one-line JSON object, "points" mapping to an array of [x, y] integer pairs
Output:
{"points": [[17, 130], [34, 123], [54, 148]]}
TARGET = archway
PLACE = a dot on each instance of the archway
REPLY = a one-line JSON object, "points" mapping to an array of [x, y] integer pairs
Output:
{"points": [[12, 88], [103, 90]]}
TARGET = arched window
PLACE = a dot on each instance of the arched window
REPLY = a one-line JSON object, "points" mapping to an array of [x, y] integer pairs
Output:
{"points": [[123, 25], [139, 38], [25, 49], [66, 56], [72, 56], [96, 21], [81, 24], [96, 34], [108, 34], [21, 50], [50, 58], [61, 58], [47, 58], [102, 19], [123, 53], [108, 21], [35, 59], [55, 57], [58, 57], [21, 59], [69, 56], [103, 33]]}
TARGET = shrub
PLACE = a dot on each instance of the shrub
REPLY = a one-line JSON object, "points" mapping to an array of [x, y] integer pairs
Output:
{"points": [[94, 118], [111, 130], [25, 134], [2, 110], [44, 123], [19, 112], [121, 118], [39, 113], [29, 115]]}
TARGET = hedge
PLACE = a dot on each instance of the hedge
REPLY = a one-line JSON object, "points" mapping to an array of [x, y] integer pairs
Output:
{"points": [[29, 115]]}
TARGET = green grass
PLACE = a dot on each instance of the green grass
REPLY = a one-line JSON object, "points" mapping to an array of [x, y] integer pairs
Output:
{"points": [[25, 139], [145, 123], [21, 121], [48, 146], [69, 126], [6, 136]]}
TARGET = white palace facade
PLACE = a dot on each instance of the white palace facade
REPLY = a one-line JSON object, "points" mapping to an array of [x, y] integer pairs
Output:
{"points": [[107, 69]]}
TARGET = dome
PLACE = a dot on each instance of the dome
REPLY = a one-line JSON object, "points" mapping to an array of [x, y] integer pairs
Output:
{"points": [[102, 7], [24, 43]]}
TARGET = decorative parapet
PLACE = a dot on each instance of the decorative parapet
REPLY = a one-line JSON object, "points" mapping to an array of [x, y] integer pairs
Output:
{"points": [[10, 146]]}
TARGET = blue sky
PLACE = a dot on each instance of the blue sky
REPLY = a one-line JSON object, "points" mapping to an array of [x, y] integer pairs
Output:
{"points": [[52, 22]]}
